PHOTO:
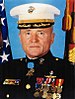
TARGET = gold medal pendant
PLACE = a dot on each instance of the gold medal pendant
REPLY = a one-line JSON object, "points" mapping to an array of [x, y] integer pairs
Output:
{"points": [[45, 94], [36, 94], [56, 96], [49, 96], [30, 72], [59, 89]]}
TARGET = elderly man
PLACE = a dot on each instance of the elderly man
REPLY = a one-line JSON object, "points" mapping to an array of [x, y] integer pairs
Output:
{"points": [[40, 75]]}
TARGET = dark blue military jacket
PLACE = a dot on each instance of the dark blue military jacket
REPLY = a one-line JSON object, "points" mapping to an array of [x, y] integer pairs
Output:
{"points": [[43, 78]]}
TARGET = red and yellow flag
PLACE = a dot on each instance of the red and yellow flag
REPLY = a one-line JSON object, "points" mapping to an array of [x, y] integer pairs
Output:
{"points": [[68, 25]]}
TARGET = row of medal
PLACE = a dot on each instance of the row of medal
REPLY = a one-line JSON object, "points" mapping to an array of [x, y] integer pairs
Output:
{"points": [[49, 87], [49, 92]]}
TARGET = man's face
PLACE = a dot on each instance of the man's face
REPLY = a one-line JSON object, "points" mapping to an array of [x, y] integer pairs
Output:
{"points": [[36, 42]]}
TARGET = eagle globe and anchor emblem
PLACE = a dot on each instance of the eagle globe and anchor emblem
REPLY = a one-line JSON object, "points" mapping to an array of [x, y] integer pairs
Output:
{"points": [[31, 9]]}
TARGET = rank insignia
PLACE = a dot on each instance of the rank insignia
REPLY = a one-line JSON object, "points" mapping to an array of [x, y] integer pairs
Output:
{"points": [[11, 82]]}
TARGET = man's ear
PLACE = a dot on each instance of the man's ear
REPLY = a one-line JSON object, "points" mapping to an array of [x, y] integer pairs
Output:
{"points": [[52, 37], [20, 36]]}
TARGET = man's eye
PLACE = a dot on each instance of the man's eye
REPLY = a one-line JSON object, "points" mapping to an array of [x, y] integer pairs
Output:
{"points": [[40, 33], [28, 33]]}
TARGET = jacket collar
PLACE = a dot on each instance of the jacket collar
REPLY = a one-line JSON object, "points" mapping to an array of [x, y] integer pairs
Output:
{"points": [[47, 57]]}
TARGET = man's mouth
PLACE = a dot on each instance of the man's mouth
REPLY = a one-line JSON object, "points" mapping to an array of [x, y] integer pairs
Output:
{"points": [[34, 46]]}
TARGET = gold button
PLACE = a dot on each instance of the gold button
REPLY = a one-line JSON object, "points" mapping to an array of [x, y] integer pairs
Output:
{"points": [[21, 59], [7, 95], [57, 59], [28, 86]]}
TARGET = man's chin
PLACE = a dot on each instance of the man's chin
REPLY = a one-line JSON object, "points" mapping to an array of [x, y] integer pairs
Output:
{"points": [[34, 54]]}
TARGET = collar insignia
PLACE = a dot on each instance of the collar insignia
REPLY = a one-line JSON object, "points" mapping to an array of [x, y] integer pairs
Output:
{"points": [[41, 60]]}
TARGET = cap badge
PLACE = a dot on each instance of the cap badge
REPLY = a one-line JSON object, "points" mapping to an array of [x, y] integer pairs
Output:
{"points": [[31, 9]]}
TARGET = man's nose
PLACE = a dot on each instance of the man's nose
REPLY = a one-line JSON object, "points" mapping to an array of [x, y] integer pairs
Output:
{"points": [[34, 38]]}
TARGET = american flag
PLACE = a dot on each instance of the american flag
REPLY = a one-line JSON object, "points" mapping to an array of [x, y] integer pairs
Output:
{"points": [[5, 50]]}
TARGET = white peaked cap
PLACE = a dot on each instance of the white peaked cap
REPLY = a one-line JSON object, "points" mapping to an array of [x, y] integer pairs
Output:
{"points": [[34, 12]]}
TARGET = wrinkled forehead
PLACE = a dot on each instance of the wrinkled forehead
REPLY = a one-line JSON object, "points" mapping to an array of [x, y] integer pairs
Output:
{"points": [[49, 29]]}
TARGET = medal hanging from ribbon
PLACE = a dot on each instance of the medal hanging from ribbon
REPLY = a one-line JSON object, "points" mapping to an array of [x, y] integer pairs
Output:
{"points": [[31, 70]]}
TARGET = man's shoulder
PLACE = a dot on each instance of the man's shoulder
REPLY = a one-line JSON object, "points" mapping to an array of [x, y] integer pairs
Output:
{"points": [[58, 60], [14, 63], [12, 69]]}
